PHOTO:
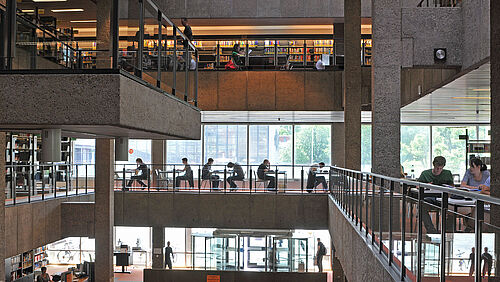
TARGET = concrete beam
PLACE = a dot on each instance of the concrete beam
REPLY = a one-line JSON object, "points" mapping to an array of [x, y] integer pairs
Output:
{"points": [[110, 104]]}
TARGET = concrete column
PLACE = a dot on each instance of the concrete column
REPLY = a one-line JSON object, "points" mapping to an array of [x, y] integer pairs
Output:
{"points": [[495, 120], [158, 152], [158, 246], [2, 205], [352, 84], [338, 154], [104, 209], [189, 246], [103, 41], [386, 87]]}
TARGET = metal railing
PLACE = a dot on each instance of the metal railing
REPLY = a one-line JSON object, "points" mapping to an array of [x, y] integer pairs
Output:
{"points": [[171, 178], [418, 228], [39, 182]]}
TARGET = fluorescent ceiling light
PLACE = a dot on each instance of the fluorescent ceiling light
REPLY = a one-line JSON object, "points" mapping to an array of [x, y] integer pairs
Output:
{"points": [[83, 21], [28, 11], [471, 98], [50, 0], [66, 10], [481, 89]]}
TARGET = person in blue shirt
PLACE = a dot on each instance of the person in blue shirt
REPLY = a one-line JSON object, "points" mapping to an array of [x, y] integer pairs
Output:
{"points": [[476, 175]]}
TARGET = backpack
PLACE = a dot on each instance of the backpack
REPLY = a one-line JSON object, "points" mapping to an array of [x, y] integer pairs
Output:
{"points": [[230, 65], [322, 250]]}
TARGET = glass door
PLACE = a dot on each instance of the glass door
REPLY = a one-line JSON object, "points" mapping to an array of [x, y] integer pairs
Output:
{"points": [[222, 253]]}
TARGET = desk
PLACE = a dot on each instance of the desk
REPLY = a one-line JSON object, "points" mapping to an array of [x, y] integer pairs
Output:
{"points": [[123, 259], [273, 173]]}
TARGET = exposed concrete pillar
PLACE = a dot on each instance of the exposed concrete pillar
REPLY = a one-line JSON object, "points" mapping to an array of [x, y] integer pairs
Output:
{"points": [[158, 151], [189, 246], [495, 120], [104, 209], [103, 41], [158, 246], [386, 87], [352, 83], [338, 154], [2, 205]]}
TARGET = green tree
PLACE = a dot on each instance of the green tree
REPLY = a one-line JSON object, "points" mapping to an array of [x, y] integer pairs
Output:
{"points": [[312, 144]]}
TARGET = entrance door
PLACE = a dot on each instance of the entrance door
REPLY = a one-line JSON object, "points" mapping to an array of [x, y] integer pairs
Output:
{"points": [[289, 255]]}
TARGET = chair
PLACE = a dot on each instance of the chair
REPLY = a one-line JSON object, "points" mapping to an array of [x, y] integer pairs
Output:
{"points": [[162, 182], [263, 182]]}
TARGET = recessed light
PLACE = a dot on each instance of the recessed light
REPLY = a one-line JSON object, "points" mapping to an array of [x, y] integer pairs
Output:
{"points": [[66, 10], [471, 98], [83, 21], [50, 0], [28, 11], [481, 89]]}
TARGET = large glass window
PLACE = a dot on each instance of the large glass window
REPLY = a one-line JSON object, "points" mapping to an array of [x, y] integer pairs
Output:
{"points": [[226, 143], [446, 143], [272, 142], [312, 144], [415, 149], [138, 238], [366, 147], [178, 149], [139, 149], [84, 153]]}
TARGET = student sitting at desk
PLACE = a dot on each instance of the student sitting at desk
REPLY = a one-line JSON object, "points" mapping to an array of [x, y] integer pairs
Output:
{"points": [[437, 176], [485, 188], [476, 175], [141, 173], [188, 174], [313, 179], [44, 276], [206, 173], [238, 174], [262, 174]]}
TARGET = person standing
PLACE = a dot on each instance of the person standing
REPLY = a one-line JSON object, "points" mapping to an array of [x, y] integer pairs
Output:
{"points": [[319, 255], [188, 32], [262, 174], [206, 174], [488, 262], [472, 259], [168, 254], [188, 174]]}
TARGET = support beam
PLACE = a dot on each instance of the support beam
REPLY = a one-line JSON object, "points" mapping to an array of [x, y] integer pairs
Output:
{"points": [[158, 153], [495, 121], [104, 36], [158, 246], [104, 210], [386, 87], [2, 205], [352, 84]]}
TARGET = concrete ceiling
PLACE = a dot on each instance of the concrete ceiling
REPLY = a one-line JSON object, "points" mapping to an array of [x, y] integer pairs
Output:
{"points": [[464, 100]]}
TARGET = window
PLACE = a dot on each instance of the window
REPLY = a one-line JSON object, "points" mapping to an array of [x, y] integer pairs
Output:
{"points": [[139, 149], [366, 147], [178, 149], [226, 143], [84, 153], [312, 144], [138, 238], [272, 142], [415, 149]]}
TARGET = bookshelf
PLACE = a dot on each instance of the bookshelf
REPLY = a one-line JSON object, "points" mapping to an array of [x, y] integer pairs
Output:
{"points": [[40, 258], [480, 149], [20, 268]]}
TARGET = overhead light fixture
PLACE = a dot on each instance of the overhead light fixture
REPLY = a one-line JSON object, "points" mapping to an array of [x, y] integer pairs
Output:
{"points": [[440, 55], [66, 10], [83, 21], [28, 11], [488, 98], [50, 0], [481, 89]]}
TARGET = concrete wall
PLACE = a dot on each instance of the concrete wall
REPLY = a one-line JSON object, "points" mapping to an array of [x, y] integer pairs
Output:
{"points": [[162, 275], [221, 210], [429, 79], [476, 31], [424, 29], [356, 257], [29, 226], [257, 8], [103, 104]]}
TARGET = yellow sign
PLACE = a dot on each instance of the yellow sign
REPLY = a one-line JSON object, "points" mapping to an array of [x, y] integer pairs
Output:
{"points": [[213, 278]]}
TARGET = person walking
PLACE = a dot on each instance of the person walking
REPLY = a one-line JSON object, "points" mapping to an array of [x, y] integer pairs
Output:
{"points": [[488, 262], [168, 253], [319, 255]]}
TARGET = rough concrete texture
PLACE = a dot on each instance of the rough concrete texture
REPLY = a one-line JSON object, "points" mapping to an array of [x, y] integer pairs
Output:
{"points": [[228, 9], [77, 219], [158, 243], [2, 205], [104, 104], [428, 28], [428, 79], [156, 275], [356, 258], [476, 31], [29, 226], [338, 153], [386, 87], [104, 210], [221, 211]]}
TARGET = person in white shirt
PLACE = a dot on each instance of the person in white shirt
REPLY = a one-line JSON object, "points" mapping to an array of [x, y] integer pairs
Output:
{"points": [[320, 65]]}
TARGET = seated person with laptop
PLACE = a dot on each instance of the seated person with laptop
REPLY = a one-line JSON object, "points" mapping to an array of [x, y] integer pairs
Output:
{"points": [[206, 173], [314, 180], [476, 175], [437, 176], [238, 175], [141, 173], [188, 174], [262, 174]]}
